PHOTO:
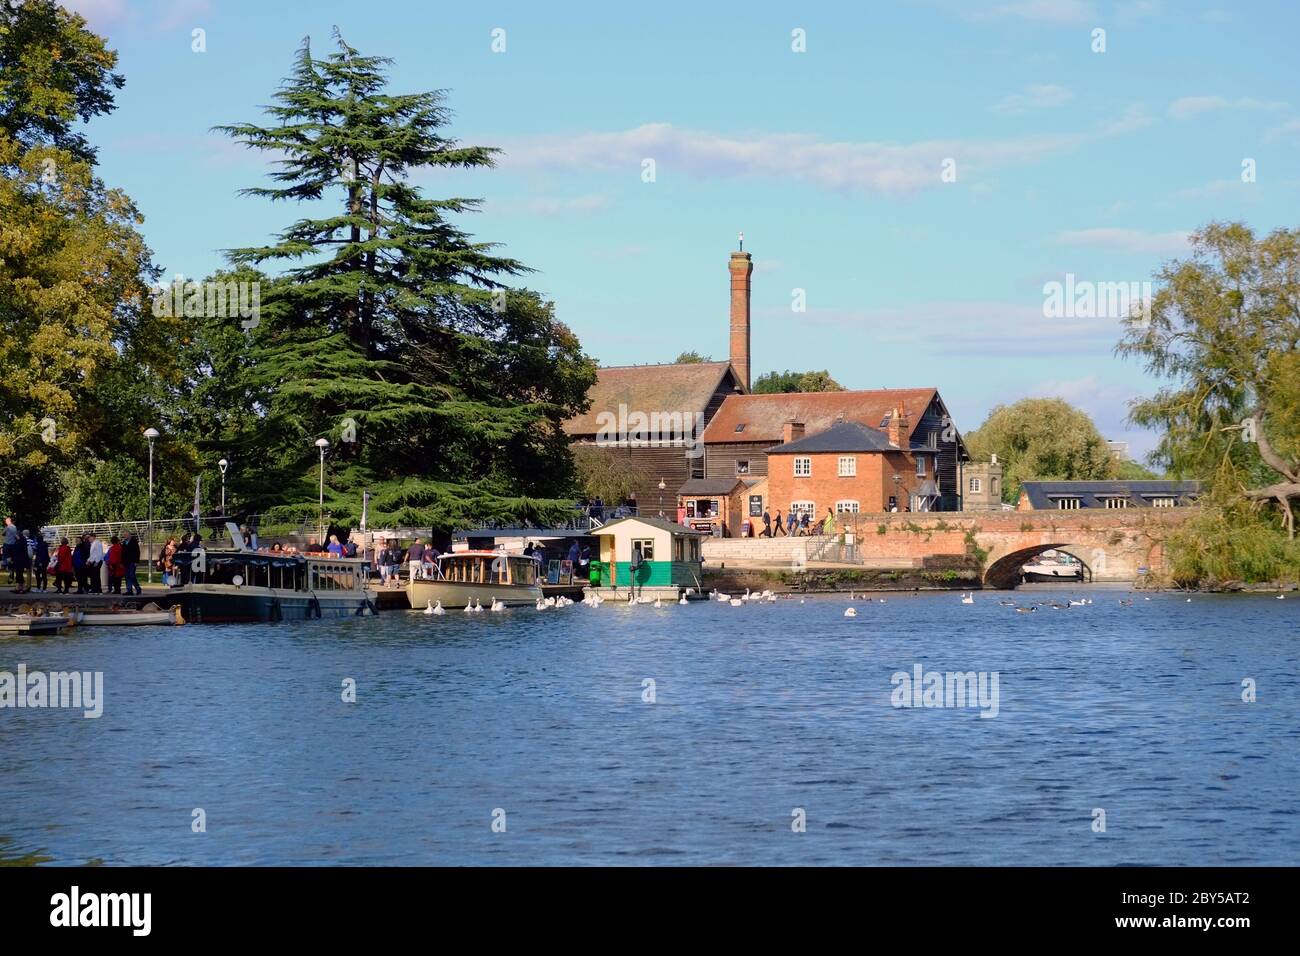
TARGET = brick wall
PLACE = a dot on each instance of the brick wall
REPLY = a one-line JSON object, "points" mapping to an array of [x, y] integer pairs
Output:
{"points": [[871, 487]]}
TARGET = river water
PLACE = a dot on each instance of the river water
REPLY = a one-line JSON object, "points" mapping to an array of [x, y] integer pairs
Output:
{"points": [[759, 717]]}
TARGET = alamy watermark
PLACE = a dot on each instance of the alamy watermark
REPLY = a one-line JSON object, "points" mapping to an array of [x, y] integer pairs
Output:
{"points": [[637, 429], [80, 690], [923, 688], [1082, 299], [210, 300]]}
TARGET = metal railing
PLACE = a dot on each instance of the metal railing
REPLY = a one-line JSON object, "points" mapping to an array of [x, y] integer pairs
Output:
{"points": [[210, 527]]}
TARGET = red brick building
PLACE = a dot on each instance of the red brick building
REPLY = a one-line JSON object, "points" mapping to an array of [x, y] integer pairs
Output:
{"points": [[851, 468], [746, 428]]}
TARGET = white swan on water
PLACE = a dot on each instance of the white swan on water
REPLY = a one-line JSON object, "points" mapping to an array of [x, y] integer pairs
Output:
{"points": [[430, 609], [968, 598], [850, 612]]}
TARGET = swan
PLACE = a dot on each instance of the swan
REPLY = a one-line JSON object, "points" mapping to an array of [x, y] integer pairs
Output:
{"points": [[541, 605], [658, 603], [850, 612], [477, 606], [469, 607], [968, 598], [498, 605], [723, 597], [682, 602], [430, 609], [735, 602]]}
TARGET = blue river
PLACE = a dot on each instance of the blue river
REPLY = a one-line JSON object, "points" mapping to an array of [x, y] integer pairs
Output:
{"points": [[708, 734]]}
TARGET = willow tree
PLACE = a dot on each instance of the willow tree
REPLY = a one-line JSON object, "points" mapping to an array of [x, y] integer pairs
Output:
{"points": [[1223, 334], [388, 330], [1042, 439]]}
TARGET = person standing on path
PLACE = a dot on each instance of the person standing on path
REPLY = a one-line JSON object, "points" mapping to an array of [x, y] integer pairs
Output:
{"points": [[780, 525], [94, 565], [41, 564], [130, 559]]}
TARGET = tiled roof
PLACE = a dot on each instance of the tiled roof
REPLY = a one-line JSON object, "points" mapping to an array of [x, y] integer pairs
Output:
{"points": [[1093, 494], [709, 486], [686, 387], [846, 436], [764, 415]]}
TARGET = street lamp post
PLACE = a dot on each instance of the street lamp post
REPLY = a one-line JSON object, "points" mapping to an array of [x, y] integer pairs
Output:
{"points": [[223, 465], [662, 486], [151, 434], [322, 444]]}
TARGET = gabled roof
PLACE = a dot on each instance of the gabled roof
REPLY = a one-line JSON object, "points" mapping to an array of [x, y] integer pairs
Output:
{"points": [[1093, 494], [764, 415], [709, 486], [686, 387], [846, 436], [663, 524]]}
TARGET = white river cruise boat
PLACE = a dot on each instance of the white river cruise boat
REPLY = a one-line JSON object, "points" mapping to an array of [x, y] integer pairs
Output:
{"points": [[466, 577]]}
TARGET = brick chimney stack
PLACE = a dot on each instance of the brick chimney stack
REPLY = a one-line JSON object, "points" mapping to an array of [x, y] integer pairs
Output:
{"points": [[791, 431], [898, 431], [741, 267]]}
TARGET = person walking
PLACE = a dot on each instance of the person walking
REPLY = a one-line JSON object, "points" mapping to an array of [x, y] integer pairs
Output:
{"points": [[63, 568], [805, 520], [828, 525], [791, 523], [780, 525], [41, 564], [767, 525], [11, 542], [130, 561]]}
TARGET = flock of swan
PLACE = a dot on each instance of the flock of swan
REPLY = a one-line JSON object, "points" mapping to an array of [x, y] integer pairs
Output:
{"points": [[591, 599]]}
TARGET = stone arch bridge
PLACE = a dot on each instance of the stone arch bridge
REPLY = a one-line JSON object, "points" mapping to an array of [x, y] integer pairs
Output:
{"points": [[1113, 545]]}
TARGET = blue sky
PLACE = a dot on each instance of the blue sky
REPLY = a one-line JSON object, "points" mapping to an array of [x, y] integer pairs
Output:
{"points": [[1067, 161]]}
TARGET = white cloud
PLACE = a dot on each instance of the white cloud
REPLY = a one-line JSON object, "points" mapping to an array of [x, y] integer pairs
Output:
{"points": [[1189, 106], [1127, 240], [1034, 97], [884, 168]]}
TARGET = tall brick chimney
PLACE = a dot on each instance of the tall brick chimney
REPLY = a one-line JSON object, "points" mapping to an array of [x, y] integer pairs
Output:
{"points": [[898, 431], [791, 431], [741, 266]]}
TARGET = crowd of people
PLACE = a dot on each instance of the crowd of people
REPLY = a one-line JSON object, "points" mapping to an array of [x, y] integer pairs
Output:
{"points": [[31, 565]]}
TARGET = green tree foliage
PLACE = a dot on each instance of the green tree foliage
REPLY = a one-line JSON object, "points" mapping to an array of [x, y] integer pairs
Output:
{"points": [[390, 332], [85, 365], [1224, 333], [1041, 439], [693, 358], [605, 473], [779, 383]]}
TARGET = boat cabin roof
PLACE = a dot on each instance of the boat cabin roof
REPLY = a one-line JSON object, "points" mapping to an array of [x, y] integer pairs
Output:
{"points": [[486, 554]]}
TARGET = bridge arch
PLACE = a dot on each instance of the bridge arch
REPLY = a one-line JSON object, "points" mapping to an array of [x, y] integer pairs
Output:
{"points": [[1004, 573]]}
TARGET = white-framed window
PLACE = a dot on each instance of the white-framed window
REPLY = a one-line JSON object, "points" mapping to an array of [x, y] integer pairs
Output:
{"points": [[848, 467], [1067, 504], [1116, 502], [646, 546], [920, 466], [976, 486], [804, 508], [1164, 501], [802, 467], [846, 507]]}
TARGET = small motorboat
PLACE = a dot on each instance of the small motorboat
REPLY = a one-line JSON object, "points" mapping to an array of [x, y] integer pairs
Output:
{"points": [[149, 615], [13, 625]]}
